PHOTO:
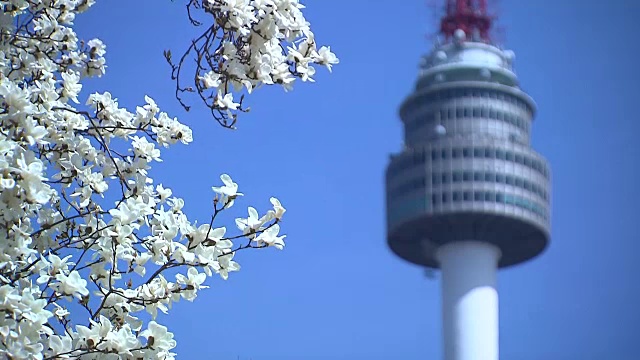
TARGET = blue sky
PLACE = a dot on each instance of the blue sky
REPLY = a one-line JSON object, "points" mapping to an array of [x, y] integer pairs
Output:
{"points": [[336, 292]]}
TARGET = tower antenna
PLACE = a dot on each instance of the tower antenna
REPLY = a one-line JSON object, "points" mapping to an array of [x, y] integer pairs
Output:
{"points": [[470, 16]]}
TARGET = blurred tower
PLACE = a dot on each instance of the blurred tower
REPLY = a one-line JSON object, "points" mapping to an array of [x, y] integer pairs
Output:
{"points": [[467, 194]]}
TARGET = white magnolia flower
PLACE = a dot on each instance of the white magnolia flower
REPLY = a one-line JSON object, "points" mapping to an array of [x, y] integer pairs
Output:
{"points": [[71, 87], [277, 208], [73, 284], [251, 224], [326, 57], [193, 282], [158, 337], [211, 79], [225, 101], [229, 191], [270, 237]]}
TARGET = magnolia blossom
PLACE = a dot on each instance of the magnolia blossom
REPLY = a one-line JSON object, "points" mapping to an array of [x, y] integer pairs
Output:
{"points": [[89, 242], [229, 191]]}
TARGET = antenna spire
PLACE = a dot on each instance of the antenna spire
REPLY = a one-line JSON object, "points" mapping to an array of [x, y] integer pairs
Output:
{"points": [[468, 15]]}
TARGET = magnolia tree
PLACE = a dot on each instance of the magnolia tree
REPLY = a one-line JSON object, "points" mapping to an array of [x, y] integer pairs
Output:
{"points": [[90, 247]]}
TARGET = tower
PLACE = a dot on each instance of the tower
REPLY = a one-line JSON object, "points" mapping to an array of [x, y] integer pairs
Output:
{"points": [[467, 194]]}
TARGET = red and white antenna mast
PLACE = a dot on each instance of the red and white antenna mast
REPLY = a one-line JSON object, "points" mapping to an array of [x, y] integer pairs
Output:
{"points": [[470, 16]]}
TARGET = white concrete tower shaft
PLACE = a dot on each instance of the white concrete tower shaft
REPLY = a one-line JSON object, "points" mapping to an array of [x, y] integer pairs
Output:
{"points": [[469, 300]]}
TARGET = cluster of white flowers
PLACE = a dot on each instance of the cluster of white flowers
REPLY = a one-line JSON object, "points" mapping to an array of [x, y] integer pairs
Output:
{"points": [[249, 43], [61, 238]]}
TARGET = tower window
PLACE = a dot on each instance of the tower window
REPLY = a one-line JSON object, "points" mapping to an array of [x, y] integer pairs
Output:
{"points": [[489, 196], [445, 198], [477, 176], [538, 166], [455, 153], [457, 177], [457, 196], [466, 196], [477, 196], [509, 156], [434, 199], [466, 152], [466, 176], [445, 178], [435, 179], [509, 180], [477, 153]]}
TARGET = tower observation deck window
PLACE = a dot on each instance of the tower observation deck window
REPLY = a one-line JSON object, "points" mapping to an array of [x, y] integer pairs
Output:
{"points": [[418, 158], [509, 156], [467, 176], [510, 180]]}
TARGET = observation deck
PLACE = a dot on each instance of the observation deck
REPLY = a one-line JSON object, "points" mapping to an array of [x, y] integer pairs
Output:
{"points": [[467, 171]]}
